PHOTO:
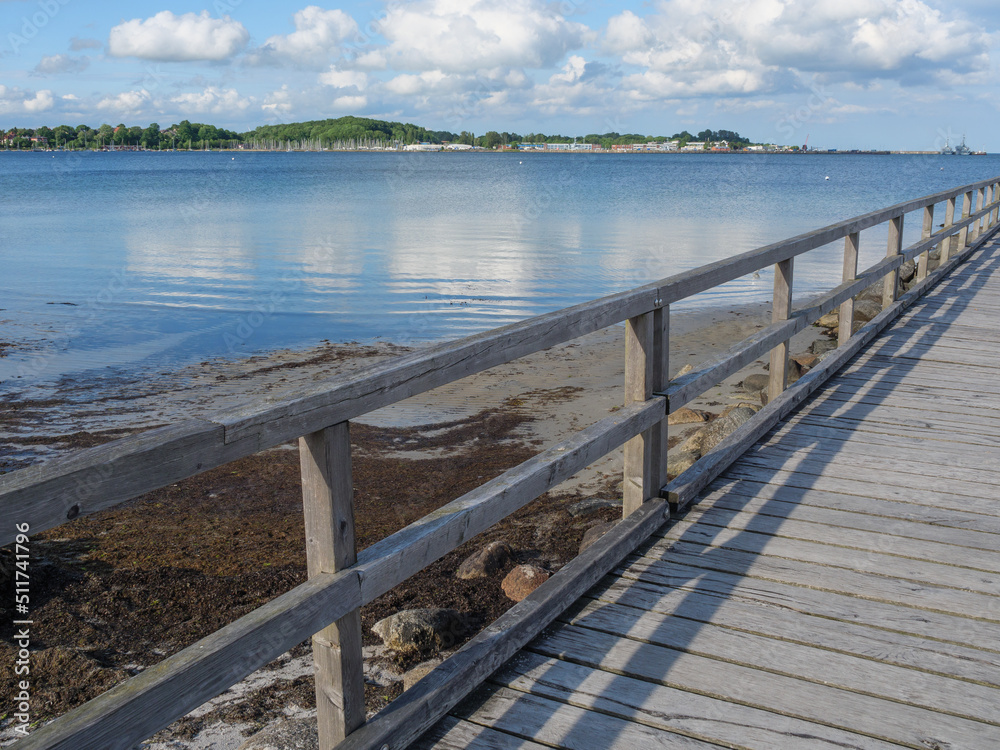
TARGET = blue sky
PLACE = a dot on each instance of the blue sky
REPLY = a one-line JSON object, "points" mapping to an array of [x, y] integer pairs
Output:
{"points": [[846, 73]]}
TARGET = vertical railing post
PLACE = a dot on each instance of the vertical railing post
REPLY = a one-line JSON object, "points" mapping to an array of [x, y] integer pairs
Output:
{"points": [[661, 380], [893, 248], [925, 233], [646, 348], [328, 506], [949, 220], [781, 310], [977, 225], [995, 216], [851, 244], [963, 234]]}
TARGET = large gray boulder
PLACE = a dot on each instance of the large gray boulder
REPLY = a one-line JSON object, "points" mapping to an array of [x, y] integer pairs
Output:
{"points": [[755, 382], [484, 563], [907, 271], [715, 432], [866, 309], [425, 630], [819, 347], [681, 461]]}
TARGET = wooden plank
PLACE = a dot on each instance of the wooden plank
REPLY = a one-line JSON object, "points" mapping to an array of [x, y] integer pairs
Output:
{"points": [[941, 431], [840, 433], [949, 419], [851, 244], [841, 580], [930, 353], [781, 309], [901, 415], [640, 358], [565, 726], [846, 671], [838, 607], [842, 636], [859, 453], [892, 540], [730, 724], [435, 694], [931, 516], [328, 506], [955, 404], [761, 535], [455, 734], [959, 483], [968, 501], [959, 528], [923, 381], [894, 247], [953, 331], [847, 710]]}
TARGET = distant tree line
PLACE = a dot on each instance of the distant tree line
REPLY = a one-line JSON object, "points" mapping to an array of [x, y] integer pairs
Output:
{"points": [[343, 132], [184, 134]]}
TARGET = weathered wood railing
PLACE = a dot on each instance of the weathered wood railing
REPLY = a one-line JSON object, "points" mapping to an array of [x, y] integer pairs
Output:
{"points": [[326, 607]]}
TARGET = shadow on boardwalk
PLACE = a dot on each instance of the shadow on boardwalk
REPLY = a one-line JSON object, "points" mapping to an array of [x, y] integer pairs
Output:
{"points": [[693, 584]]}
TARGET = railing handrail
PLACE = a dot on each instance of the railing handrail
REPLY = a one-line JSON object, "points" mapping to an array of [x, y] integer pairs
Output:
{"points": [[95, 478], [335, 591]]}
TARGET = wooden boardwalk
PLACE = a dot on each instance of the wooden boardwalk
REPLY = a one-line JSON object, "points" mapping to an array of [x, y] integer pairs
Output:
{"points": [[837, 587]]}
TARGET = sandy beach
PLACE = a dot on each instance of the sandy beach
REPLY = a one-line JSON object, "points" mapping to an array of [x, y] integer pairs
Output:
{"points": [[121, 589]]}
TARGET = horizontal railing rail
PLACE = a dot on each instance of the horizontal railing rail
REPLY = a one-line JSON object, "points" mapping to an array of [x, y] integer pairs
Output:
{"points": [[341, 581]]}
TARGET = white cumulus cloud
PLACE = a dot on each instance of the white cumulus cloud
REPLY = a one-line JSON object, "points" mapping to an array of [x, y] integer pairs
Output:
{"points": [[318, 36], [457, 37], [126, 103], [171, 38], [351, 103], [40, 102], [694, 48], [343, 79], [212, 100]]}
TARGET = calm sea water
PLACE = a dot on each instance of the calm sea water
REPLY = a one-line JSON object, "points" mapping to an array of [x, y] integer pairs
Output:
{"points": [[158, 260]]}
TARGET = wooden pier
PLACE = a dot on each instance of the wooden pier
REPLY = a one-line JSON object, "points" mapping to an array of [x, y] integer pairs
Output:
{"points": [[837, 587], [827, 576]]}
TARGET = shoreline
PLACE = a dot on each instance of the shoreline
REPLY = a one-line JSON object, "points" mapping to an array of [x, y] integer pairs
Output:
{"points": [[121, 589], [38, 421]]}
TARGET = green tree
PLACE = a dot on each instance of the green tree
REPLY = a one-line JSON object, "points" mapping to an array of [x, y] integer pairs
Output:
{"points": [[491, 139], [185, 132], [151, 136]]}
